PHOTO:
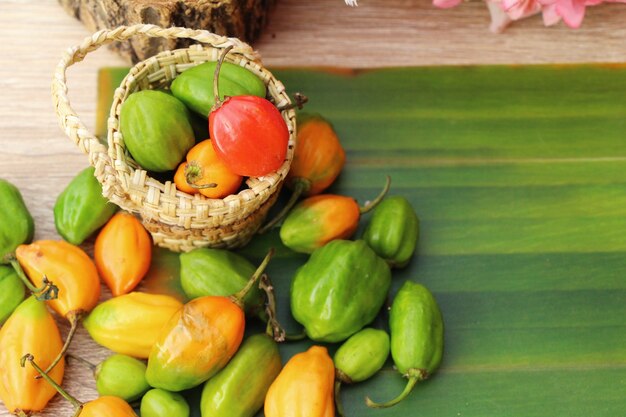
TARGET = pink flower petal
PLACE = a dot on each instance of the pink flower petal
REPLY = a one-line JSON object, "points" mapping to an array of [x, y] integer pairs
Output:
{"points": [[572, 12], [550, 17], [499, 19], [446, 4]]}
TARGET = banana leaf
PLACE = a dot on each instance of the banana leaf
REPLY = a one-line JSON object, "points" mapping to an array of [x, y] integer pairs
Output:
{"points": [[518, 175]]}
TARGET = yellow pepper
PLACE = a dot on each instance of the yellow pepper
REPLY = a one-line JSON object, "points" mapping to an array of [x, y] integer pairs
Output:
{"points": [[130, 324], [304, 388]]}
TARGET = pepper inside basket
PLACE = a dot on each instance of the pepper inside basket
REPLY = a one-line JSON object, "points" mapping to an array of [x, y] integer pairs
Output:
{"points": [[176, 220]]}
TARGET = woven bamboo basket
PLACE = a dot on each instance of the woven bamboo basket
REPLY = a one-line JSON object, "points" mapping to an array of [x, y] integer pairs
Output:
{"points": [[176, 220]]}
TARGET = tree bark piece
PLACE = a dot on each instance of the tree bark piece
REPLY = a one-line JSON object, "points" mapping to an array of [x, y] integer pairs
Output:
{"points": [[243, 19]]}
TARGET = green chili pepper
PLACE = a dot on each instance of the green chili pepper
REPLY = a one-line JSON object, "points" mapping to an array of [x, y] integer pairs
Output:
{"points": [[81, 209], [12, 292], [121, 376], [393, 231], [194, 87], [16, 223], [239, 389], [416, 328], [161, 403], [359, 358], [339, 290], [220, 272], [156, 129]]}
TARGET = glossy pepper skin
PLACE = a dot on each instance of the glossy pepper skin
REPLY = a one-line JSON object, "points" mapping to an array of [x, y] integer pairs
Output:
{"points": [[156, 129], [122, 253], [199, 339], [393, 231], [71, 270], [16, 223], [194, 87], [339, 290], [359, 358], [30, 328], [317, 220], [121, 376], [161, 403], [204, 168], [130, 324], [239, 389], [12, 292], [416, 327], [304, 388], [318, 158], [207, 271], [81, 209], [362, 355], [195, 343], [107, 406]]}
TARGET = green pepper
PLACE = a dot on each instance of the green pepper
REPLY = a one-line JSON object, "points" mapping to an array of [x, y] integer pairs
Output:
{"points": [[339, 290], [393, 231], [220, 272], [239, 389], [156, 129], [121, 376], [359, 358], [161, 403], [81, 209], [416, 327], [12, 292], [194, 87], [16, 223]]}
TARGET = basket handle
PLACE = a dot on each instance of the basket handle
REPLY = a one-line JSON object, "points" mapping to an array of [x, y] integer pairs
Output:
{"points": [[69, 120]]}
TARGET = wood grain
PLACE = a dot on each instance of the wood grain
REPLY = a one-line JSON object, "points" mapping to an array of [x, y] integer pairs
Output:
{"points": [[40, 160]]}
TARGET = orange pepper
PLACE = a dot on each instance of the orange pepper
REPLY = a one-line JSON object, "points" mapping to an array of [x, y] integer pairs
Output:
{"points": [[30, 328], [123, 252], [317, 161], [305, 386], [317, 220], [105, 406], [205, 173], [199, 339], [318, 158], [71, 270]]}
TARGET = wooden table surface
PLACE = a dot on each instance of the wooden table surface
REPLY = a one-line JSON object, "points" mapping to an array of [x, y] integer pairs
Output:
{"points": [[37, 157]]}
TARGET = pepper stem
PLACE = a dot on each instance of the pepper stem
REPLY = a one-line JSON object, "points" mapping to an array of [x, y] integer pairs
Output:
{"points": [[73, 317], [372, 204], [338, 403], [413, 379], [216, 76], [273, 328], [193, 172], [301, 186], [240, 295], [299, 101], [47, 291], [30, 358]]}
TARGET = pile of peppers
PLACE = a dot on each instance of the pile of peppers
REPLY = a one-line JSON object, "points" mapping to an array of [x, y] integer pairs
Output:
{"points": [[166, 343]]}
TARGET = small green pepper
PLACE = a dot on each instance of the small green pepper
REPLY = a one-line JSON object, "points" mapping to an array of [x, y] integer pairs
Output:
{"points": [[206, 271], [161, 403], [156, 129], [81, 209], [16, 223], [194, 87], [416, 328], [359, 358], [121, 376], [339, 290], [12, 292], [239, 389], [393, 231]]}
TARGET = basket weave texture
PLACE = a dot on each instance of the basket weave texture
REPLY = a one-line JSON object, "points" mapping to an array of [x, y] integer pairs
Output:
{"points": [[176, 220]]}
